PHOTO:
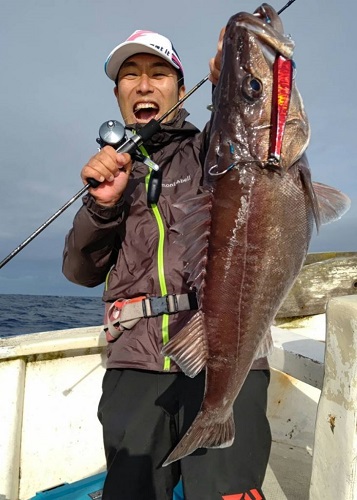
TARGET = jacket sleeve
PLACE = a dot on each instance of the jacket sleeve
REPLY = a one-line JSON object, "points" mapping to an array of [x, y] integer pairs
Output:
{"points": [[92, 244]]}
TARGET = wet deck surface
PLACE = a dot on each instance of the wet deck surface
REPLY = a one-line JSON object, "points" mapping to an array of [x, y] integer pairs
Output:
{"points": [[288, 474]]}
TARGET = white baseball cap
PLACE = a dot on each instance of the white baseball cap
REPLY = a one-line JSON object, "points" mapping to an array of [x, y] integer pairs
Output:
{"points": [[141, 41]]}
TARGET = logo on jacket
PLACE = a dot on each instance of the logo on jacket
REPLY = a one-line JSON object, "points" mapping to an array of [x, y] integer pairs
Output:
{"points": [[176, 182]]}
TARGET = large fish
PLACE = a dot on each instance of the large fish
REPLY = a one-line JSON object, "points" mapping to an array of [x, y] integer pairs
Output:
{"points": [[263, 206]]}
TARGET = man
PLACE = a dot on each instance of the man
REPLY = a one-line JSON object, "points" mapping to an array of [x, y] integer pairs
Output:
{"points": [[121, 239]]}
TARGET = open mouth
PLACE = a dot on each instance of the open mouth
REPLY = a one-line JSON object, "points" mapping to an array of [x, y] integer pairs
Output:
{"points": [[145, 111]]}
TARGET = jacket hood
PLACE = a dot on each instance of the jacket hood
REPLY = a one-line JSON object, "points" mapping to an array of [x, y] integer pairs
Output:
{"points": [[177, 127]]}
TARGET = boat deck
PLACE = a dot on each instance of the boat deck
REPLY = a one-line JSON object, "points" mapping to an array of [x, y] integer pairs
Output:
{"points": [[289, 472]]}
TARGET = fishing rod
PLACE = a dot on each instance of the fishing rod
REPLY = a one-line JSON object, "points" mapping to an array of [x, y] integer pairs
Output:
{"points": [[112, 133], [285, 6]]}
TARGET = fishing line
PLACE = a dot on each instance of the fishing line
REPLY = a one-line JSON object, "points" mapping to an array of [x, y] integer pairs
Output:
{"points": [[127, 145]]}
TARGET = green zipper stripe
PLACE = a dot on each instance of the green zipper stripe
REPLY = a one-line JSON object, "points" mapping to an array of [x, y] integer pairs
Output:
{"points": [[107, 279], [161, 268], [106, 283], [160, 253]]}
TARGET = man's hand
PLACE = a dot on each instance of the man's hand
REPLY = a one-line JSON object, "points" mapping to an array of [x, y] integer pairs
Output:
{"points": [[216, 62], [112, 170]]}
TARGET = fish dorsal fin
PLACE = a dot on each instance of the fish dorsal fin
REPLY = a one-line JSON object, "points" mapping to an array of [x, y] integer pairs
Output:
{"points": [[193, 230], [189, 348], [302, 166], [328, 204], [333, 204]]}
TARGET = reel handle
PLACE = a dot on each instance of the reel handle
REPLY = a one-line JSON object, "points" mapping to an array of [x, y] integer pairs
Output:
{"points": [[111, 133]]}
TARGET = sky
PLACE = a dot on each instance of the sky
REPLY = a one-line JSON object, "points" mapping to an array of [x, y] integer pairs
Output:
{"points": [[54, 96]]}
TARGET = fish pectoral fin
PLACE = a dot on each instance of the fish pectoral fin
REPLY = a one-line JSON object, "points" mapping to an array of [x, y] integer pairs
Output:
{"points": [[333, 204], [195, 220], [266, 346], [189, 348], [204, 433]]}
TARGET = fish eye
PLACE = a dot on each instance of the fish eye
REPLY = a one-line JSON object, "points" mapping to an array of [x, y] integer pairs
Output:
{"points": [[252, 88]]}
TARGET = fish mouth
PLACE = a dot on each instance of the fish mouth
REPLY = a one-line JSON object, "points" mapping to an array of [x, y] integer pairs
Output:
{"points": [[145, 111], [269, 15], [265, 24]]}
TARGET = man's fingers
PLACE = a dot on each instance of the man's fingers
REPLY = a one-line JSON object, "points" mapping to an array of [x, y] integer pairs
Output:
{"points": [[124, 160], [221, 35], [102, 166], [216, 62]]}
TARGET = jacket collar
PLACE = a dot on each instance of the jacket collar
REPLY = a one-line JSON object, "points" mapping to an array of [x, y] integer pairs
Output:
{"points": [[176, 129]]}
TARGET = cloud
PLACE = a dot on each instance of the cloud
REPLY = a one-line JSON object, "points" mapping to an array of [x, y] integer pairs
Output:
{"points": [[54, 96]]}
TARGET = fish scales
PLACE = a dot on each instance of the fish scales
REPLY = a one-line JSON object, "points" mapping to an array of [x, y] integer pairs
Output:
{"points": [[261, 222], [245, 287]]}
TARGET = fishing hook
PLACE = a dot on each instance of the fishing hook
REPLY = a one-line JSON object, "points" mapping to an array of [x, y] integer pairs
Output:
{"points": [[267, 165], [210, 171]]}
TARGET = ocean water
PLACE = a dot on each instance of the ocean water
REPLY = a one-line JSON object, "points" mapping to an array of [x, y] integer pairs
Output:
{"points": [[23, 314]]}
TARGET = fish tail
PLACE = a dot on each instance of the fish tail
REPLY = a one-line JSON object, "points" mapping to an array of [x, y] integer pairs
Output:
{"points": [[203, 433]]}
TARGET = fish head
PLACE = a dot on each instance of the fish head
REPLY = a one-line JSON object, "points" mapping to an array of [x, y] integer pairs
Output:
{"points": [[243, 101]]}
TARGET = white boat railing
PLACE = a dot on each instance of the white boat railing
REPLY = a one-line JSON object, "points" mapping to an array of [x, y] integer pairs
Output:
{"points": [[332, 367], [334, 465], [50, 387], [51, 384]]}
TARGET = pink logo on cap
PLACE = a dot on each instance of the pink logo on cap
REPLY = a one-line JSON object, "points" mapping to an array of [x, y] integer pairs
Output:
{"points": [[176, 61], [137, 34]]}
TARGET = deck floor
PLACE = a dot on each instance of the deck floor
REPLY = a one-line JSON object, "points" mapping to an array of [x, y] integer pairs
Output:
{"points": [[288, 474]]}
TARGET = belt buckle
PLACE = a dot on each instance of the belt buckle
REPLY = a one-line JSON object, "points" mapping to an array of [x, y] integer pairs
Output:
{"points": [[160, 305]]}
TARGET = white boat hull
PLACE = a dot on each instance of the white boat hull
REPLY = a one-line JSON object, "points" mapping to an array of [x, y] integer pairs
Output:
{"points": [[51, 385]]}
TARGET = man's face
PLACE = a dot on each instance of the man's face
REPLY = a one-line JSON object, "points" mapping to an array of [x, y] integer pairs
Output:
{"points": [[147, 88]]}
